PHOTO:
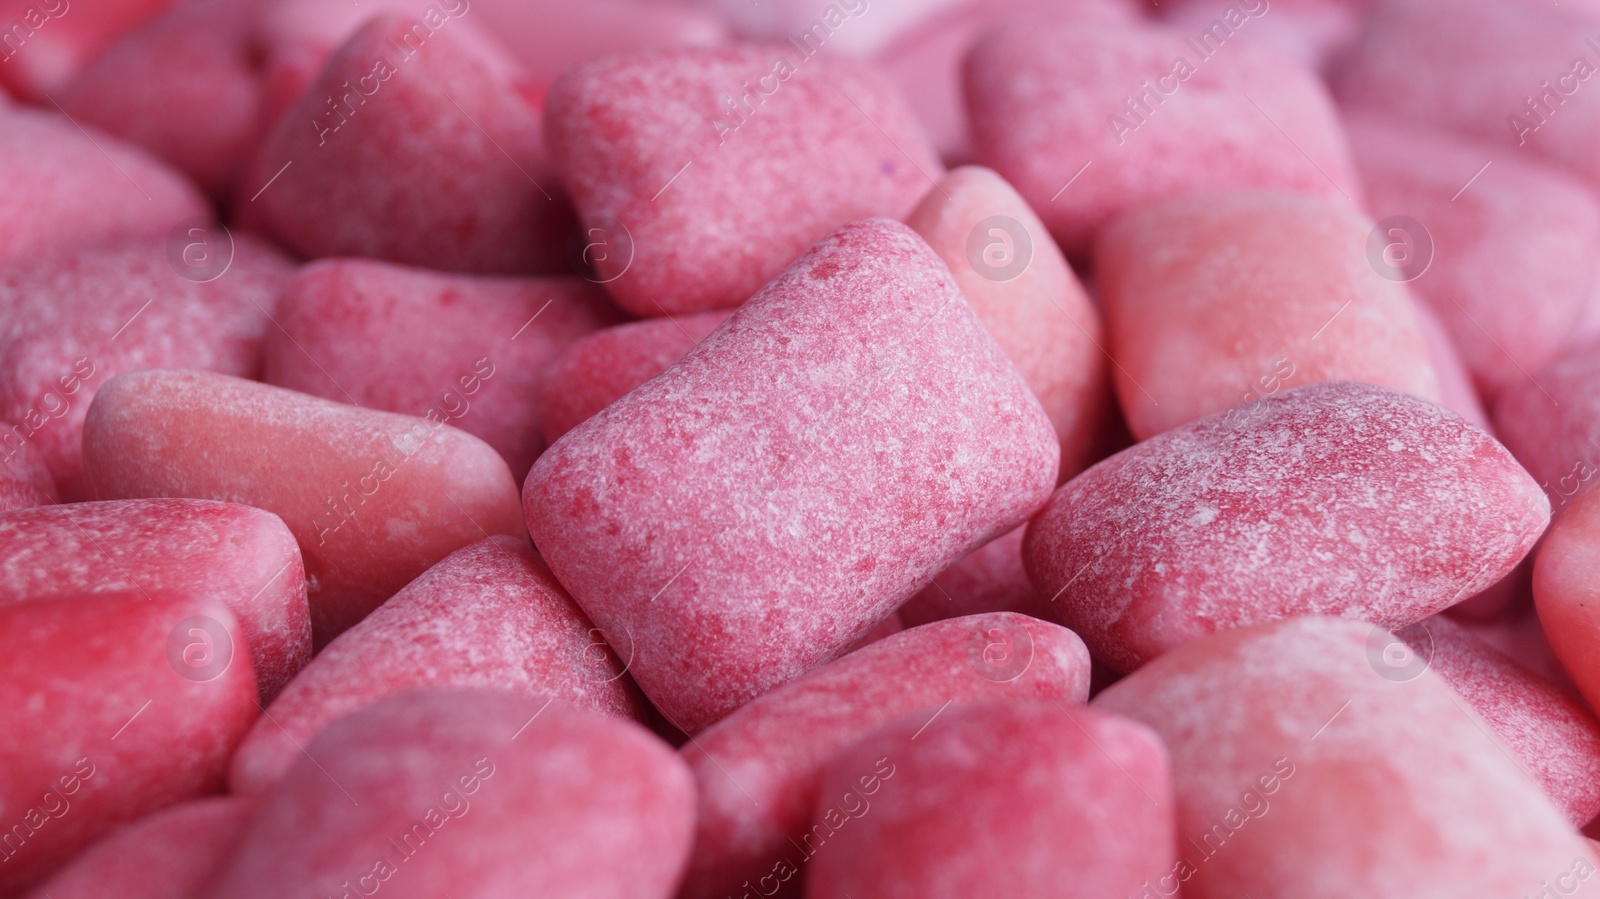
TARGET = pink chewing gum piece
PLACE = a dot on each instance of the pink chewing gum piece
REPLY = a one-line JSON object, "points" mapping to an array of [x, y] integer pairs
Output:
{"points": [[1566, 590], [70, 322], [704, 172], [489, 615], [1089, 121], [1312, 33], [467, 349], [1552, 423], [239, 556], [850, 27], [757, 770], [409, 147], [988, 579], [1456, 391], [1335, 499], [550, 36], [597, 370], [1302, 770], [25, 481], [48, 42], [472, 793], [68, 189], [185, 87], [373, 498], [753, 510], [1016, 280], [1054, 803], [1516, 249], [1551, 734], [171, 854], [1218, 300], [111, 708]]}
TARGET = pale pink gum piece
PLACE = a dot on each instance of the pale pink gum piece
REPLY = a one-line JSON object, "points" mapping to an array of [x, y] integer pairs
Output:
{"points": [[471, 793], [437, 160], [1516, 249], [97, 725], [373, 498], [550, 36], [489, 615], [467, 348], [1311, 33], [1054, 803], [48, 42], [1551, 735], [1215, 301], [849, 27], [239, 556], [68, 189], [1336, 499], [988, 579], [757, 770], [597, 370], [753, 510], [698, 216], [1456, 391], [1301, 771], [25, 482], [1024, 292], [1566, 590], [1552, 423], [70, 322], [171, 854], [1043, 98]]}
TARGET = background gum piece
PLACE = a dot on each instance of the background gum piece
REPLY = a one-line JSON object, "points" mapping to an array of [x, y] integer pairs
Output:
{"points": [[752, 511], [1053, 802], [472, 793], [1566, 590], [488, 615], [373, 498], [25, 482], [705, 201], [1216, 300], [242, 557], [1335, 499], [50, 41], [1552, 423], [757, 769], [1456, 392], [1302, 770], [988, 579], [407, 340], [1016, 280]]}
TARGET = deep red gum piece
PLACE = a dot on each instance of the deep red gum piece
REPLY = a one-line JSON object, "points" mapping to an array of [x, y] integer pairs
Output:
{"points": [[488, 615]]}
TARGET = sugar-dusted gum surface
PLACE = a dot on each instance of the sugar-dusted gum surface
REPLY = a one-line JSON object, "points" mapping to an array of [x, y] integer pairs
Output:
{"points": [[1054, 803], [1048, 113], [242, 557], [1552, 423], [1301, 771], [1016, 280], [98, 726], [471, 793], [25, 482], [373, 498], [1219, 299], [48, 42], [171, 854], [489, 615], [416, 152], [597, 370], [756, 508], [1516, 249], [703, 204], [757, 770], [1335, 499], [467, 349], [1566, 590], [991, 578], [69, 323], [68, 189]]}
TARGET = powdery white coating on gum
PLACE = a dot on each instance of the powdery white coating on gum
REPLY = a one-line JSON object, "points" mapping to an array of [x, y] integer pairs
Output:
{"points": [[92, 707], [489, 615], [1552, 423], [753, 510], [470, 348], [1216, 300], [1027, 800], [828, 144], [757, 770], [171, 854], [597, 370], [498, 795], [1042, 97], [69, 323], [369, 516], [25, 482], [1335, 499], [1041, 317], [242, 557], [1342, 782], [991, 578], [1566, 591], [1517, 253]]}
